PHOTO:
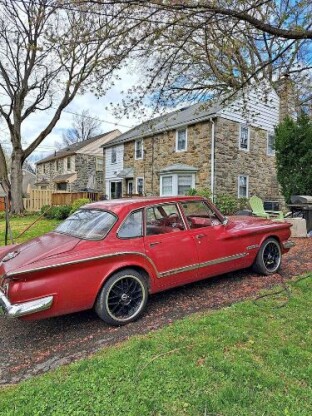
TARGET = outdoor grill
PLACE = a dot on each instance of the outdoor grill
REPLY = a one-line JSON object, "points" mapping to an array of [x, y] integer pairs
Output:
{"points": [[301, 206]]}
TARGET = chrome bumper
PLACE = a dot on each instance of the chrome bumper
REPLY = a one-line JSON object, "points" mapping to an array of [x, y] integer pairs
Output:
{"points": [[288, 244], [25, 308]]}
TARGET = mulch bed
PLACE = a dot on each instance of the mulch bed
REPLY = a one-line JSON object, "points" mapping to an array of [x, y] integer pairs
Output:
{"points": [[30, 348]]}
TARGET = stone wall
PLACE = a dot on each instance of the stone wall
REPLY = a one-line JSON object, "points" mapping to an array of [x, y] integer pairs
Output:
{"points": [[159, 152], [84, 166], [230, 162], [47, 171]]}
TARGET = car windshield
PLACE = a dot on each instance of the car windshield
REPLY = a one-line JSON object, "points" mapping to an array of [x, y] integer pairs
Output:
{"points": [[90, 224]]}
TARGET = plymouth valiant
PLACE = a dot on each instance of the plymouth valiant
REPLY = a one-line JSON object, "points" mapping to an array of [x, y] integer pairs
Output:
{"points": [[111, 255]]}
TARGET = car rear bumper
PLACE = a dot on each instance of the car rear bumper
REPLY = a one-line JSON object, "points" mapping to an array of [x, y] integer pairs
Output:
{"points": [[25, 308]]}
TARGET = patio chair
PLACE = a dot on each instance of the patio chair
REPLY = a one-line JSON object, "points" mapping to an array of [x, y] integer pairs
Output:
{"points": [[256, 204]]}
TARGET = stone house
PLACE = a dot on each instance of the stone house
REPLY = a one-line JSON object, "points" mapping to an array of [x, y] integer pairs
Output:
{"points": [[78, 167], [228, 148]]}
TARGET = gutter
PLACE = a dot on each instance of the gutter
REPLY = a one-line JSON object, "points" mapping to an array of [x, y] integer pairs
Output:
{"points": [[151, 132]]}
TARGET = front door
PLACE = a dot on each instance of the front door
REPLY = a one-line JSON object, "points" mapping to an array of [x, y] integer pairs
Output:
{"points": [[130, 187], [218, 250], [115, 190]]}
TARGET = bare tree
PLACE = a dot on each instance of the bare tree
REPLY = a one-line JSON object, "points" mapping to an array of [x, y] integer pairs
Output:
{"points": [[84, 126], [199, 49], [51, 50]]}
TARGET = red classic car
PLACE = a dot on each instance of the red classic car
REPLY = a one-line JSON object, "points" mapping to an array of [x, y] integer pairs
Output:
{"points": [[111, 255]]}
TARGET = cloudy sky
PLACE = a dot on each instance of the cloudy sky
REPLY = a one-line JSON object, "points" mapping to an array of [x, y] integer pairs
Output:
{"points": [[34, 124], [96, 107]]}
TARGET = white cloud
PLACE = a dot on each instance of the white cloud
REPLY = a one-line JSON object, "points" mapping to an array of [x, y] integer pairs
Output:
{"points": [[36, 122]]}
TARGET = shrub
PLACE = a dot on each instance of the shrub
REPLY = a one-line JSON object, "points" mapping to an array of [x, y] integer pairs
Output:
{"points": [[293, 149], [205, 192], [50, 212], [59, 212], [44, 210], [79, 203], [226, 203], [229, 204], [62, 212], [191, 192]]}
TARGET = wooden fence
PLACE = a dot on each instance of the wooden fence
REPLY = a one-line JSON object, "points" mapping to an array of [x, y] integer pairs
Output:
{"points": [[37, 199], [67, 198], [40, 197]]}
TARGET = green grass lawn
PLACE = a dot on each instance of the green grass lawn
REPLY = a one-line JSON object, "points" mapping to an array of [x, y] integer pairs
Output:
{"points": [[247, 359], [20, 223]]}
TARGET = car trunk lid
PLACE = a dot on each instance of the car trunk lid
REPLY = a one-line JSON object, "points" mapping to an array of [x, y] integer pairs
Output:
{"points": [[40, 248]]}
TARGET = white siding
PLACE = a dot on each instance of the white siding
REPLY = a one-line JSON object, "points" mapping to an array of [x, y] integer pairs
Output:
{"points": [[113, 169], [259, 108]]}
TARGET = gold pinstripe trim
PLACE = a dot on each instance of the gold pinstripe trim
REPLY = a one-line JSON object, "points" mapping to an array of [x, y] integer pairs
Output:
{"points": [[204, 264], [104, 256], [159, 275]]}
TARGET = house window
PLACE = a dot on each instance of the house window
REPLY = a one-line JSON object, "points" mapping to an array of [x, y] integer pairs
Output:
{"points": [[271, 144], [181, 140], [138, 149], [99, 164], [166, 187], [184, 184], [176, 184], [140, 186], [243, 186], [244, 138], [45, 168], [62, 186], [114, 155], [68, 163]]}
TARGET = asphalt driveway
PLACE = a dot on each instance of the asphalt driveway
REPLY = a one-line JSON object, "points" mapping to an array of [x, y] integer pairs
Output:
{"points": [[29, 348]]}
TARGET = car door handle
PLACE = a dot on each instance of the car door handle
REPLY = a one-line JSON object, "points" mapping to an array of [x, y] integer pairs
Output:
{"points": [[200, 236], [155, 243]]}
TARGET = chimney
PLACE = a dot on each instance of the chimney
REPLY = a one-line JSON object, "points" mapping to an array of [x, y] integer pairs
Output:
{"points": [[286, 91]]}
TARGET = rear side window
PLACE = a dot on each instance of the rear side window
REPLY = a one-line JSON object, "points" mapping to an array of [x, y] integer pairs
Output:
{"points": [[132, 226], [89, 224]]}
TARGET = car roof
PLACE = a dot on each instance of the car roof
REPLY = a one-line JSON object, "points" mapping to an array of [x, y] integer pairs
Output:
{"points": [[118, 205]]}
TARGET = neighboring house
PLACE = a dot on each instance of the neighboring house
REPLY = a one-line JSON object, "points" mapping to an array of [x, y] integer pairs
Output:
{"points": [[29, 179], [228, 148], [78, 167]]}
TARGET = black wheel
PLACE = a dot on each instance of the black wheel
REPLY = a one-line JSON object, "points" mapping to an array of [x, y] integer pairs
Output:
{"points": [[122, 298], [269, 257]]}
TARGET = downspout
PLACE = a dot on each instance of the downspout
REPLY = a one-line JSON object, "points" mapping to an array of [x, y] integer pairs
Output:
{"points": [[153, 143], [212, 161]]}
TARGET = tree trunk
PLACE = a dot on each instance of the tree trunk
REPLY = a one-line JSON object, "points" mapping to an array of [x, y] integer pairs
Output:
{"points": [[3, 166], [17, 206]]}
